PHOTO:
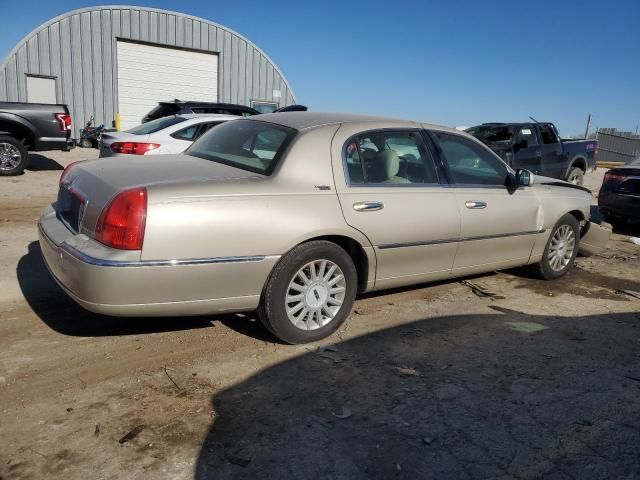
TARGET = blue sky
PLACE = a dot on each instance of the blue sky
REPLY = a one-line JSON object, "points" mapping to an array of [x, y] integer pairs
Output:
{"points": [[447, 62]]}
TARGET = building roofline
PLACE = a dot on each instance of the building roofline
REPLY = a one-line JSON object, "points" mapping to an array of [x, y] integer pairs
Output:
{"points": [[48, 23]]}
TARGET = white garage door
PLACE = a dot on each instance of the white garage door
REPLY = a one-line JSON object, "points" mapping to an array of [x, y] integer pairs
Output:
{"points": [[149, 74]]}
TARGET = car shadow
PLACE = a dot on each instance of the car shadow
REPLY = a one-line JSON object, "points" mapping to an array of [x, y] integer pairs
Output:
{"points": [[39, 162], [60, 313], [508, 395]]}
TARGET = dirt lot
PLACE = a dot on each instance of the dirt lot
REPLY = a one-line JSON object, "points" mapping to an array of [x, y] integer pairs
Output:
{"points": [[542, 379]]}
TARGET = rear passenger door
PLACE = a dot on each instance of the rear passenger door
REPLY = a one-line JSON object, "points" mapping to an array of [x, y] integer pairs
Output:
{"points": [[389, 189], [498, 225]]}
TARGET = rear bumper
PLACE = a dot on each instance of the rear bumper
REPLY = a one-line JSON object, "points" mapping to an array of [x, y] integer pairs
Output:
{"points": [[627, 206], [53, 143], [112, 282]]}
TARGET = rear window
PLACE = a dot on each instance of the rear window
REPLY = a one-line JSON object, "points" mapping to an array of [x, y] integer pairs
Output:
{"points": [[155, 125], [495, 134], [249, 145]]}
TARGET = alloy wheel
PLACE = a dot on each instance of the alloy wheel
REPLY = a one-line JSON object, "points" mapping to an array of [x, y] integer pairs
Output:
{"points": [[10, 156], [315, 294], [561, 249]]}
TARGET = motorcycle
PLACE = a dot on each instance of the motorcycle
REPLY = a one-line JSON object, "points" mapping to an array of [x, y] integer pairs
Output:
{"points": [[90, 135]]}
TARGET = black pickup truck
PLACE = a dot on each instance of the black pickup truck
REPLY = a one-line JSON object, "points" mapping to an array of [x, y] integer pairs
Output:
{"points": [[30, 127], [539, 148]]}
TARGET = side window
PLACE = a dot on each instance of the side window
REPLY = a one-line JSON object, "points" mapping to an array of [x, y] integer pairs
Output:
{"points": [[526, 137], [187, 134], [205, 127], [389, 157], [469, 163], [548, 135]]}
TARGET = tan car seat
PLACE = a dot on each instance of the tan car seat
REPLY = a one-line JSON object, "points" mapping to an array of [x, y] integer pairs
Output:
{"points": [[385, 167]]}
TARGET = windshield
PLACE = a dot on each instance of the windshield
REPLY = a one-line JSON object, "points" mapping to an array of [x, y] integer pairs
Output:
{"points": [[246, 144], [155, 125], [493, 133]]}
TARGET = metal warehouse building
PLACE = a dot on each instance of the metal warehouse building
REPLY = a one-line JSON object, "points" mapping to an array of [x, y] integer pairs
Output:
{"points": [[105, 61]]}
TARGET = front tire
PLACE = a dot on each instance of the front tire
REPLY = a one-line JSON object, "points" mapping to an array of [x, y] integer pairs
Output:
{"points": [[575, 176], [310, 293], [561, 249], [13, 156]]}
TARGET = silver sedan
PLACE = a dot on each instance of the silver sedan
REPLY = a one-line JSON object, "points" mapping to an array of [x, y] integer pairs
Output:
{"points": [[294, 214]]}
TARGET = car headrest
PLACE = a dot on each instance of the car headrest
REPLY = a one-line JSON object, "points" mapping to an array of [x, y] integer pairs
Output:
{"points": [[386, 164]]}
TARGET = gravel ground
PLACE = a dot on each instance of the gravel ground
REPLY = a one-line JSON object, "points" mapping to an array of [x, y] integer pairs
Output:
{"points": [[541, 379]]}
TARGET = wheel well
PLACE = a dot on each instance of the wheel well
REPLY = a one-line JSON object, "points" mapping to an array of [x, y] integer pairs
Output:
{"points": [[581, 220], [580, 163], [357, 254], [16, 131], [578, 214]]}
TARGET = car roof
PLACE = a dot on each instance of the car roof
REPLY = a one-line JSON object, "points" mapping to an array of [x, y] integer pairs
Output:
{"points": [[508, 124], [309, 120]]}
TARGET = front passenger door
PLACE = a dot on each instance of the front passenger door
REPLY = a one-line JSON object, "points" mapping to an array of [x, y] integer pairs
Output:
{"points": [[498, 226], [526, 148], [390, 189], [551, 152]]}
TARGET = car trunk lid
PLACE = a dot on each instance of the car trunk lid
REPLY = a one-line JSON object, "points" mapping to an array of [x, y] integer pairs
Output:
{"points": [[90, 185]]}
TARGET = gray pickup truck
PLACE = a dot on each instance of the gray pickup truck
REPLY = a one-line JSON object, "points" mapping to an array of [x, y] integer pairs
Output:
{"points": [[30, 127], [538, 147]]}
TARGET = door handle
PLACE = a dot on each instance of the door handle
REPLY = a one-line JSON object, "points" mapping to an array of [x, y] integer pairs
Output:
{"points": [[475, 204], [538, 153], [368, 206]]}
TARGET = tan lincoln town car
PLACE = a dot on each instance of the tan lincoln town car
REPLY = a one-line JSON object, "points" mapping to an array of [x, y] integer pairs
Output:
{"points": [[294, 214]]}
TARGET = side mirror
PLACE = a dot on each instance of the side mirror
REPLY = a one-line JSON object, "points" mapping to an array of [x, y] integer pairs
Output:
{"points": [[524, 178]]}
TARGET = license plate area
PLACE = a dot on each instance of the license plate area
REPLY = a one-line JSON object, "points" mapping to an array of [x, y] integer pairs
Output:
{"points": [[71, 206]]}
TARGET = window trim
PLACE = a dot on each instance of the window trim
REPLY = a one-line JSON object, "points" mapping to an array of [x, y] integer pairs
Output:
{"points": [[445, 165], [417, 130]]}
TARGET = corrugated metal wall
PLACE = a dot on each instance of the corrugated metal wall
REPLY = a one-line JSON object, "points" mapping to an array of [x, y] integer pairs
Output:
{"points": [[617, 146], [79, 49]]}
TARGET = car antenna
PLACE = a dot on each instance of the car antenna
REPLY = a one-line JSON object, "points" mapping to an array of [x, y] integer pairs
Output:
{"points": [[534, 120]]}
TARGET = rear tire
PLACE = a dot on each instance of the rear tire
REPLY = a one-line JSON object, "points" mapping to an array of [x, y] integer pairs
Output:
{"points": [[13, 156], [309, 293], [561, 249], [575, 176]]}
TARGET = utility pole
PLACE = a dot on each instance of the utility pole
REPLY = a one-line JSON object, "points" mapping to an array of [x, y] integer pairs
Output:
{"points": [[586, 132]]}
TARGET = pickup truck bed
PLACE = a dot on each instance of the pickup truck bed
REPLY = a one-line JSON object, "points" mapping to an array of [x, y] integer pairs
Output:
{"points": [[26, 127]]}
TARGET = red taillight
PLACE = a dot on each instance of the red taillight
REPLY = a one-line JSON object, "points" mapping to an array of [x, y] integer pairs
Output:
{"points": [[133, 148], [64, 120], [613, 179], [66, 171], [121, 223]]}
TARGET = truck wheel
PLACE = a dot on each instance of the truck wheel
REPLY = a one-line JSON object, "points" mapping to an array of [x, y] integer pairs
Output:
{"points": [[13, 156], [575, 176], [310, 293], [561, 249]]}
